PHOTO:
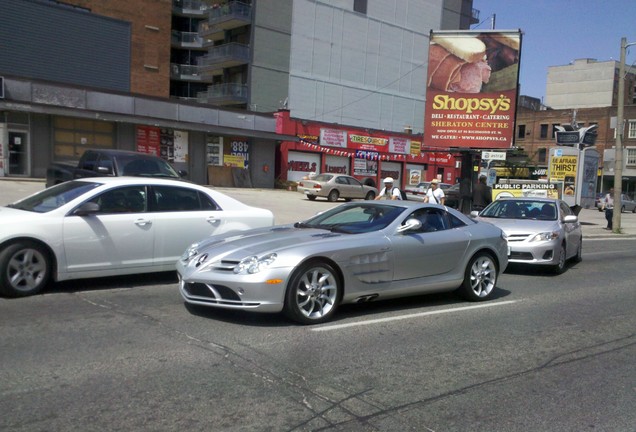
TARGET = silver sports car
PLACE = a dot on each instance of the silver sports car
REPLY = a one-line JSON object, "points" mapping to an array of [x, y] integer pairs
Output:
{"points": [[355, 252], [541, 231]]}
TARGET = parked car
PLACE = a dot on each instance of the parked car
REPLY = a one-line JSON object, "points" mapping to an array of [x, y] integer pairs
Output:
{"points": [[540, 231], [335, 186], [108, 162], [355, 252], [110, 226]]}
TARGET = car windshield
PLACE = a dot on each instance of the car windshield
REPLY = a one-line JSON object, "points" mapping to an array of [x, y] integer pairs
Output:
{"points": [[521, 209], [355, 219], [133, 165], [54, 197]]}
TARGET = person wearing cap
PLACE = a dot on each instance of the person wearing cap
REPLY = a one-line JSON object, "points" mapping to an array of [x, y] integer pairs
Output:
{"points": [[388, 191], [435, 194]]}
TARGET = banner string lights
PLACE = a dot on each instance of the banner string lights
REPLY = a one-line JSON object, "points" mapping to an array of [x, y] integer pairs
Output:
{"points": [[360, 154]]}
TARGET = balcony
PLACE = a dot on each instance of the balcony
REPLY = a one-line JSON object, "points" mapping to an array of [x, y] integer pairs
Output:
{"points": [[223, 56], [186, 40], [228, 16], [190, 8], [186, 72], [224, 94]]}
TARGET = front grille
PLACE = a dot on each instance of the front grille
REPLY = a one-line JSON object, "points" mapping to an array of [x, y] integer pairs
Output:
{"points": [[527, 256], [517, 237], [215, 292]]}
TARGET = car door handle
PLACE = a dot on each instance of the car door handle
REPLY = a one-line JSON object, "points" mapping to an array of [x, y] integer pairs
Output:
{"points": [[212, 219], [143, 222]]}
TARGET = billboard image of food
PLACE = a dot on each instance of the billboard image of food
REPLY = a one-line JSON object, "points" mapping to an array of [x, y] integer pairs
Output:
{"points": [[471, 88]]}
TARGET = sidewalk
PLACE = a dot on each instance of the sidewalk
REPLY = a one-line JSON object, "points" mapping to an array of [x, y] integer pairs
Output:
{"points": [[290, 206]]}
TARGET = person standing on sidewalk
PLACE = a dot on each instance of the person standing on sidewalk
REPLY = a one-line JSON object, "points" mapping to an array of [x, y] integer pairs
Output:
{"points": [[608, 203], [482, 194]]}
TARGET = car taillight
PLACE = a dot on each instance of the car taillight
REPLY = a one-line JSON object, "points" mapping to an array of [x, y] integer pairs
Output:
{"points": [[317, 186], [301, 184]]}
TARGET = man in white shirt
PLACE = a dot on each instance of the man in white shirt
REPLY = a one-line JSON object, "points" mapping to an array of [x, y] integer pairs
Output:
{"points": [[388, 191], [435, 194], [609, 208]]}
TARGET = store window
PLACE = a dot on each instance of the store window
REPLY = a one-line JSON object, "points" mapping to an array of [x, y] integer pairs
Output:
{"points": [[71, 136], [214, 150]]}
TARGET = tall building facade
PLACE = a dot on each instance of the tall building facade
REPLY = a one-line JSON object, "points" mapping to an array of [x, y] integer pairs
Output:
{"points": [[587, 83]]}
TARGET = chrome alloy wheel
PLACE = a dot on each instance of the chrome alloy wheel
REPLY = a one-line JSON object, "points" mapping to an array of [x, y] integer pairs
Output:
{"points": [[483, 276], [313, 293]]}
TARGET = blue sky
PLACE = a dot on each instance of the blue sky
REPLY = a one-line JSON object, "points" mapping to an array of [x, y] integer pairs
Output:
{"points": [[556, 32]]}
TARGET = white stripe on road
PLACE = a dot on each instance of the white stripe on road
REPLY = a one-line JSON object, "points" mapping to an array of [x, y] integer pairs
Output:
{"points": [[409, 316]]}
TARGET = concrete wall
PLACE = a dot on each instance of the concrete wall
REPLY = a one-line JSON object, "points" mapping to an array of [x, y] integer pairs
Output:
{"points": [[363, 70]]}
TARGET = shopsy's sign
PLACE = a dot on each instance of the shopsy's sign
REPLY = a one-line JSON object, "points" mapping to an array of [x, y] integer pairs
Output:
{"points": [[471, 88]]}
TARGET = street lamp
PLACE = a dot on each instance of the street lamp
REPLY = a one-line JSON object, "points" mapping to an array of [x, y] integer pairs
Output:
{"points": [[618, 159]]}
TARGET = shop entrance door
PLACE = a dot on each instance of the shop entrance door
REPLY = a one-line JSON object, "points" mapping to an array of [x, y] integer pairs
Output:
{"points": [[18, 154]]}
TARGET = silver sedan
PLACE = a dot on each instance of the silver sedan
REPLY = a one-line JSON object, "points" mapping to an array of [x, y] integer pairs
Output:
{"points": [[335, 186], [355, 252], [540, 231]]}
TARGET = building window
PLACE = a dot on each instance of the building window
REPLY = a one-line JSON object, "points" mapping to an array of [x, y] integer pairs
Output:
{"points": [[554, 130], [360, 6], [631, 129], [521, 131], [631, 156], [544, 131], [543, 152]]}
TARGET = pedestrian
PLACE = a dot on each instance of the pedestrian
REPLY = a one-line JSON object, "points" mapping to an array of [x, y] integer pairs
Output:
{"points": [[482, 194], [608, 203], [465, 195], [388, 191], [435, 194]]}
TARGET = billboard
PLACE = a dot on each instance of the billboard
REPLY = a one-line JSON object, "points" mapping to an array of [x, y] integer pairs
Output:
{"points": [[471, 89]]}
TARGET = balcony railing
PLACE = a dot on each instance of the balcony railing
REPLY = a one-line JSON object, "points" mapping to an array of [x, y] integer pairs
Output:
{"points": [[224, 17], [224, 56], [186, 72], [186, 39], [196, 8], [224, 94]]}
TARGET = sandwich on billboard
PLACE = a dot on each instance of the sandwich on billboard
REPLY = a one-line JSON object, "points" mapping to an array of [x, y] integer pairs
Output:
{"points": [[471, 89]]}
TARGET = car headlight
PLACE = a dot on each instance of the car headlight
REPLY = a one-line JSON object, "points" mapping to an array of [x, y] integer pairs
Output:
{"points": [[254, 264], [545, 236], [190, 252]]}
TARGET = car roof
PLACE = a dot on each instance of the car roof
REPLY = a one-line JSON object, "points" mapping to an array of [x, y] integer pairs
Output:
{"points": [[125, 180]]}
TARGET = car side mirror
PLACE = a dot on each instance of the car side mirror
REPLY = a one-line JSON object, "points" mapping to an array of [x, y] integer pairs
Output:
{"points": [[87, 209], [570, 219], [182, 173], [410, 225], [474, 214]]}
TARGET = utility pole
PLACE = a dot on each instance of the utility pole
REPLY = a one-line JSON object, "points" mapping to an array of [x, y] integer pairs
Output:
{"points": [[620, 130]]}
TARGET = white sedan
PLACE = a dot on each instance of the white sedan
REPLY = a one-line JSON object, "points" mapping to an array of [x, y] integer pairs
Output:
{"points": [[110, 226]]}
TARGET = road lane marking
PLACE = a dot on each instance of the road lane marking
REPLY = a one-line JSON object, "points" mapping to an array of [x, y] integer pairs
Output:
{"points": [[410, 316]]}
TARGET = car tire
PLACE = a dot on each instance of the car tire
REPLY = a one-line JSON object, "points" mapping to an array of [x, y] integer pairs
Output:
{"points": [[370, 196], [579, 252], [313, 293], [333, 196], [480, 278], [311, 197], [559, 267], [25, 269]]}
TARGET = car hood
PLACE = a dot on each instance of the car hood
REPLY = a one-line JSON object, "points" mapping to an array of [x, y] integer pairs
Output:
{"points": [[520, 226], [277, 239], [10, 215]]}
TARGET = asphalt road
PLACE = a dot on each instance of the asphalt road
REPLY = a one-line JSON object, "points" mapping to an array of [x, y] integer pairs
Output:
{"points": [[549, 353]]}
